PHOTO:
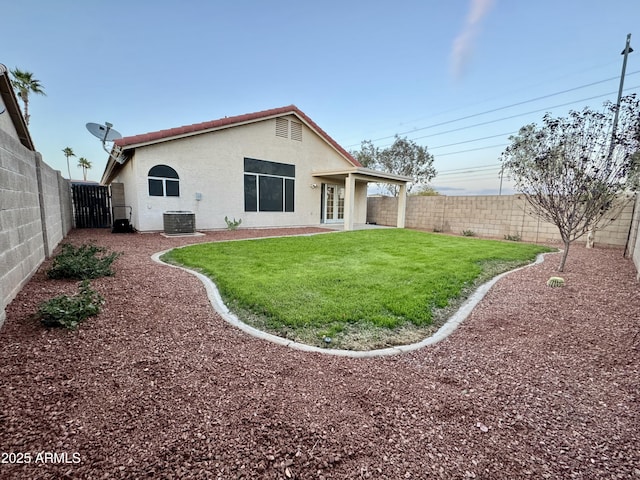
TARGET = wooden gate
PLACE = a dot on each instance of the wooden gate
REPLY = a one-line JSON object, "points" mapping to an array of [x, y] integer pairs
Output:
{"points": [[91, 206]]}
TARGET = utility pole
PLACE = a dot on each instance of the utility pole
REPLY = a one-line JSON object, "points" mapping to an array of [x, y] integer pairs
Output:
{"points": [[627, 50]]}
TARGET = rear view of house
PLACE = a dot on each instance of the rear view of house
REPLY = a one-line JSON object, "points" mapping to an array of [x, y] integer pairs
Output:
{"points": [[274, 168]]}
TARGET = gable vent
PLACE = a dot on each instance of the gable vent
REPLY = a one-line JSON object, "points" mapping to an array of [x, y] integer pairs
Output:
{"points": [[282, 127], [296, 131]]}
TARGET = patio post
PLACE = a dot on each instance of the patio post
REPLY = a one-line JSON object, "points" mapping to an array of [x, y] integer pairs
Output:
{"points": [[349, 201], [402, 205]]}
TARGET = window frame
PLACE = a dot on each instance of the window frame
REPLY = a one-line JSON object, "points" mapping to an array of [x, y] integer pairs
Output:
{"points": [[261, 176], [163, 185]]}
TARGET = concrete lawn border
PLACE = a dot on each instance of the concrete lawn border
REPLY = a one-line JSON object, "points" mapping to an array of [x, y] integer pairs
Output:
{"points": [[443, 332]]}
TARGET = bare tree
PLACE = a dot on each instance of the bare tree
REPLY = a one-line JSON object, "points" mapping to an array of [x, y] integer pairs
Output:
{"points": [[574, 170]]}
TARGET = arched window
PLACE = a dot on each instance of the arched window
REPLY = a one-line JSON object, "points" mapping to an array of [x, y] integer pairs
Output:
{"points": [[164, 182]]}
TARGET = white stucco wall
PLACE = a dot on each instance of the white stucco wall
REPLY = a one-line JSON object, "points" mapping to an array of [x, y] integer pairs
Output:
{"points": [[212, 164], [6, 124]]}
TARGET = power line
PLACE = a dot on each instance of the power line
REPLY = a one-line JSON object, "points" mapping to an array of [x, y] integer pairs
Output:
{"points": [[466, 171], [450, 181], [609, 63], [518, 103], [473, 149], [499, 120], [521, 114], [483, 169], [474, 140], [467, 168], [507, 118], [509, 106]]}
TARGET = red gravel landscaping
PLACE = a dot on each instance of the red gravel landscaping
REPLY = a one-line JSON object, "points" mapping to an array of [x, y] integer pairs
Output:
{"points": [[538, 382]]}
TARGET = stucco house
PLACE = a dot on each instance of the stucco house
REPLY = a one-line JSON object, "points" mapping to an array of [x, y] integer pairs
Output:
{"points": [[274, 168]]}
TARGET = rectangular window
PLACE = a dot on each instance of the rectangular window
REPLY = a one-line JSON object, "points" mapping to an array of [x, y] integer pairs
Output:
{"points": [[271, 194], [173, 188], [156, 188], [289, 187], [269, 168], [268, 186], [250, 193]]}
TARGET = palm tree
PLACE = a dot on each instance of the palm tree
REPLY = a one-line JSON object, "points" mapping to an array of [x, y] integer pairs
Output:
{"points": [[24, 83], [68, 152], [85, 165]]}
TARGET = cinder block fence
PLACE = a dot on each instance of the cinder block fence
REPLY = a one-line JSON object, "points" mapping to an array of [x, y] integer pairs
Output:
{"points": [[493, 216], [35, 215]]}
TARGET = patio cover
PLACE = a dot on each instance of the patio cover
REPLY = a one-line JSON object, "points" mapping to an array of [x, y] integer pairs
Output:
{"points": [[360, 174]]}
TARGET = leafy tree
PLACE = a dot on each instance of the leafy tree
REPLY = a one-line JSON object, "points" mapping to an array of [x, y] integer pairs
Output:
{"points": [[403, 157], [85, 165], [573, 170], [24, 84], [68, 152], [367, 155], [427, 191]]}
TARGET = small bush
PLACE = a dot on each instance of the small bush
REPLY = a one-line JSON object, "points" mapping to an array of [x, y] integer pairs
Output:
{"points": [[82, 263], [232, 224], [468, 233], [65, 311], [513, 238]]}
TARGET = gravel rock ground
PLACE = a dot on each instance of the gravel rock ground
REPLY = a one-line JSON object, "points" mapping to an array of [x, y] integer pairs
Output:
{"points": [[538, 382]]}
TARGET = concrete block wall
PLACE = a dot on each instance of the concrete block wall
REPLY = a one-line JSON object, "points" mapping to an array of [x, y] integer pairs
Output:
{"points": [[55, 205], [491, 216], [35, 215], [21, 240], [66, 203]]}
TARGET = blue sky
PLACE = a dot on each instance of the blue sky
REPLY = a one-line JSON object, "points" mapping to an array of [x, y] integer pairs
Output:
{"points": [[360, 69]]}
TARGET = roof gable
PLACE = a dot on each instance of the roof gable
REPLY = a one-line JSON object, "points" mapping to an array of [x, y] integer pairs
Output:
{"points": [[151, 138]]}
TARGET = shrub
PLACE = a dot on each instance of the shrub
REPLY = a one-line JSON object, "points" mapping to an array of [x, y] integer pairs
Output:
{"points": [[65, 311], [513, 238], [82, 263], [232, 224], [468, 233]]}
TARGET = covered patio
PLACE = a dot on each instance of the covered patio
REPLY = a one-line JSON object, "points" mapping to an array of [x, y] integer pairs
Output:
{"points": [[350, 176]]}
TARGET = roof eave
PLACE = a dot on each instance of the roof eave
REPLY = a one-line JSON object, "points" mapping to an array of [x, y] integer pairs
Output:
{"points": [[365, 174], [13, 109], [152, 138]]}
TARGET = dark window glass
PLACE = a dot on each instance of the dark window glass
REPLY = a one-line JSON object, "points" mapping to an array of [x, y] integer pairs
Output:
{"points": [[288, 194], [173, 188], [269, 168], [156, 188], [164, 171], [250, 194], [271, 194]]}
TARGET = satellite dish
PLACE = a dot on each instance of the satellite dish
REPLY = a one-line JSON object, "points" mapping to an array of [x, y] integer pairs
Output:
{"points": [[104, 133]]}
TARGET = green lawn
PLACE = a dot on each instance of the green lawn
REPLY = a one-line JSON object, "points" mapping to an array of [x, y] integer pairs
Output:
{"points": [[340, 285]]}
